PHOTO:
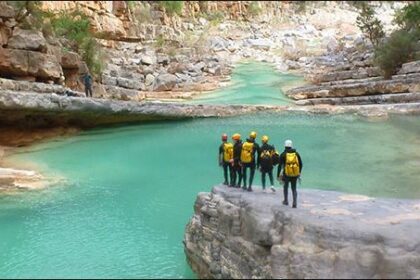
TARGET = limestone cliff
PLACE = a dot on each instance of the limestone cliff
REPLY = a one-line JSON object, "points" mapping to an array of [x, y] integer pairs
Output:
{"points": [[235, 234]]}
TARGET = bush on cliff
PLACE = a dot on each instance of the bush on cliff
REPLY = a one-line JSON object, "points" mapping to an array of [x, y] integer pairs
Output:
{"points": [[398, 49], [75, 26], [408, 18], [369, 24], [172, 7]]}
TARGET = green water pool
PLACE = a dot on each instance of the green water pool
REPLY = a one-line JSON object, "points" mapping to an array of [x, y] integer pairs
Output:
{"points": [[253, 83]]}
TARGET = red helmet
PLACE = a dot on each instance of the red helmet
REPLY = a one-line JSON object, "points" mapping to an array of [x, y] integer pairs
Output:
{"points": [[224, 137]]}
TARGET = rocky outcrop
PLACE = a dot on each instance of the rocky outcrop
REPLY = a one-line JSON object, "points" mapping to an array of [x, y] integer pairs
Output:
{"points": [[236, 234]]}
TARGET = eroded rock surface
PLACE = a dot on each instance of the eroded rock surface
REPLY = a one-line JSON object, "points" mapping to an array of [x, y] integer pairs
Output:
{"points": [[236, 234]]}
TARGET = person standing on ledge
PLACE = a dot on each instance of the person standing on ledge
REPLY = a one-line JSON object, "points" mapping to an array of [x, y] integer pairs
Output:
{"points": [[265, 162], [292, 163], [225, 160], [236, 162], [87, 81], [249, 149]]}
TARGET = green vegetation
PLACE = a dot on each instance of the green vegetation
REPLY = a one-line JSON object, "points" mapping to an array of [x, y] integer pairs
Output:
{"points": [[299, 6], [403, 44], [75, 26], [398, 49], [172, 7], [140, 11], [369, 24], [254, 8], [408, 18], [28, 14]]}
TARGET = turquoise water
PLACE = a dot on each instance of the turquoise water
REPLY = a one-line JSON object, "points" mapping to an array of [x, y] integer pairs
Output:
{"points": [[253, 83], [129, 191]]}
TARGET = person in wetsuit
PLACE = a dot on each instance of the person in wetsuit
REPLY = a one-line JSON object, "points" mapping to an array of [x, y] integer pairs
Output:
{"points": [[236, 162], [289, 170], [249, 152], [225, 160], [265, 162]]}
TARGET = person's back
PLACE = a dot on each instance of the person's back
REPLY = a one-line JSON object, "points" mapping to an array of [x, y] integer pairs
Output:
{"points": [[265, 159], [225, 159], [236, 164], [250, 150], [87, 81], [265, 162], [291, 167]]}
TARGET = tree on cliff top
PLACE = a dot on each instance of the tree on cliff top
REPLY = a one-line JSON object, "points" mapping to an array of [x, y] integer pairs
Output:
{"points": [[369, 24]]}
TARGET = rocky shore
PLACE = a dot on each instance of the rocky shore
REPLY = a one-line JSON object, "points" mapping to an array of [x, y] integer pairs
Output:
{"points": [[235, 234]]}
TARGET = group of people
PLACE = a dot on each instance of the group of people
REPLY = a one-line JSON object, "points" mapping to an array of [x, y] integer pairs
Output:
{"points": [[238, 157]]}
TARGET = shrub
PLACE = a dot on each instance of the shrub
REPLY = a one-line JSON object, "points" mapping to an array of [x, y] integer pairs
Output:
{"points": [[408, 18], [29, 14], [398, 49], [254, 8], [75, 26], [369, 24], [172, 7], [141, 13]]}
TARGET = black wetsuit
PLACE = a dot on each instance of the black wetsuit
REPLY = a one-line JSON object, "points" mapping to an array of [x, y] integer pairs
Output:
{"points": [[226, 166], [250, 165], [237, 171], [287, 179], [266, 164]]}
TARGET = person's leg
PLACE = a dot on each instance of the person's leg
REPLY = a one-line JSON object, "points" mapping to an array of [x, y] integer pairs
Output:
{"points": [[244, 168], [86, 91], [270, 175], [90, 91], [225, 173], [231, 176], [294, 191], [233, 180], [285, 190], [251, 176], [240, 175], [263, 178]]}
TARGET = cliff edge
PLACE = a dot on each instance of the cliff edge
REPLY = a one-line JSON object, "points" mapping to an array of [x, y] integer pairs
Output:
{"points": [[235, 234]]}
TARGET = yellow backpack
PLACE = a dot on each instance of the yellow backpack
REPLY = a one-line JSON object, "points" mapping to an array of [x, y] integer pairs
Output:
{"points": [[292, 165], [246, 153], [227, 152], [266, 155]]}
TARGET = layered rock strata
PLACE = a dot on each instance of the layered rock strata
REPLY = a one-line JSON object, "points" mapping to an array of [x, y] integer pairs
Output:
{"points": [[235, 234]]}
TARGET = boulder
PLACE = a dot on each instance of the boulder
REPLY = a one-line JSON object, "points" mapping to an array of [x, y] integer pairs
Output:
{"points": [[70, 60], [217, 44], [411, 67], [148, 60], [6, 11], [5, 34], [27, 40], [164, 82], [149, 79], [43, 65], [29, 63], [130, 83], [262, 43]]}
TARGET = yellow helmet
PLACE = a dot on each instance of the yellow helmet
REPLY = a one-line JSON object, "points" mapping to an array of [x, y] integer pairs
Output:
{"points": [[264, 139], [253, 135], [236, 136]]}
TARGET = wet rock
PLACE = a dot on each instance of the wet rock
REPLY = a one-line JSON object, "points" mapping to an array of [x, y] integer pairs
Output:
{"points": [[27, 40]]}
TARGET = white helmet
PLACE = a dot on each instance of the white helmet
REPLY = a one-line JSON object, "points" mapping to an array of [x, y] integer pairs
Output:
{"points": [[288, 143]]}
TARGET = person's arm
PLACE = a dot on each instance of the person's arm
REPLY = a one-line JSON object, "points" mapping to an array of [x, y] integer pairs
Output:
{"points": [[221, 154], [257, 151], [280, 164], [300, 163]]}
